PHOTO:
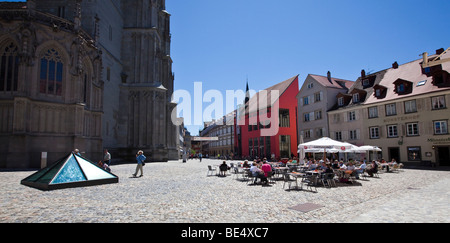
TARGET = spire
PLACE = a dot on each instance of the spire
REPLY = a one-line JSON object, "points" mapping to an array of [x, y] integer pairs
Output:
{"points": [[247, 94], [77, 15]]}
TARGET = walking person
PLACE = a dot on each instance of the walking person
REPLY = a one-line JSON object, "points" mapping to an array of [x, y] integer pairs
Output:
{"points": [[107, 158], [140, 158]]}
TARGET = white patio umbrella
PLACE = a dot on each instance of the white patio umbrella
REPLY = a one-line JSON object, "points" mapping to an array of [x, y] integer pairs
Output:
{"points": [[326, 143], [368, 148]]}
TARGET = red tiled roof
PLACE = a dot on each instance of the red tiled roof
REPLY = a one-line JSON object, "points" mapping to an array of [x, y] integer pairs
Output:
{"points": [[280, 87], [335, 82], [411, 72]]}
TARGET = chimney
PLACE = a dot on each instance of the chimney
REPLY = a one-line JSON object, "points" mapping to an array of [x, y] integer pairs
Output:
{"points": [[395, 65], [363, 73], [329, 77]]}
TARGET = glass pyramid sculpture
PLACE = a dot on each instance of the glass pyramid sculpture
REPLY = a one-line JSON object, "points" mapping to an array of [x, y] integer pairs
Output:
{"points": [[68, 172]]}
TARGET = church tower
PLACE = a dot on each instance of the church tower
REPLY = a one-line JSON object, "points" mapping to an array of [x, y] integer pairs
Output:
{"points": [[147, 79]]}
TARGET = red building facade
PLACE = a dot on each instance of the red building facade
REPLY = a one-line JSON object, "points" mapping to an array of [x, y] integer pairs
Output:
{"points": [[270, 128]]}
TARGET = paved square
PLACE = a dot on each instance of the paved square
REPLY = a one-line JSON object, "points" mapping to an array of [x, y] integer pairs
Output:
{"points": [[176, 192]]}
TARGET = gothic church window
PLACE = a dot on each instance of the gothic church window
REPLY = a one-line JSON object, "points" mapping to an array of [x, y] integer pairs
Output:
{"points": [[51, 73], [9, 67]]}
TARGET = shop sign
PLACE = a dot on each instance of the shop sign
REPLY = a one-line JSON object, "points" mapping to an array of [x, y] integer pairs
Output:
{"points": [[439, 140]]}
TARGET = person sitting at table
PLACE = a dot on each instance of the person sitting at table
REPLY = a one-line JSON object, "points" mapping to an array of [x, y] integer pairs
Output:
{"points": [[352, 168], [312, 166], [384, 165], [328, 168], [256, 172], [343, 166], [266, 168], [223, 169], [373, 169], [335, 164], [246, 164], [321, 165], [359, 170]]}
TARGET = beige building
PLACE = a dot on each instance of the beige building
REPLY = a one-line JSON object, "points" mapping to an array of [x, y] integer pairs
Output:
{"points": [[316, 97], [403, 110]]}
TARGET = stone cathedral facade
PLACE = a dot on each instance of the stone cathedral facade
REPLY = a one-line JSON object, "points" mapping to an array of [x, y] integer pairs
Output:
{"points": [[86, 74]]}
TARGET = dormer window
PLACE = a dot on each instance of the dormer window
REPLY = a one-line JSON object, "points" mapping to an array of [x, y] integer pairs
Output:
{"points": [[356, 98], [344, 99], [403, 87], [366, 82], [379, 91], [341, 101]]}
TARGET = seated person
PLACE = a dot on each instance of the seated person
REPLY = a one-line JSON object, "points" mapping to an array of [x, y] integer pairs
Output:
{"points": [[373, 169], [223, 169], [246, 164], [360, 170], [266, 168], [256, 172]]}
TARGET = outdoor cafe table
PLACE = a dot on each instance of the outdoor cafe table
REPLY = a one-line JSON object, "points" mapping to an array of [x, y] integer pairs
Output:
{"points": [[280, 170], [297, 175], [315, 175], [344, 174]]}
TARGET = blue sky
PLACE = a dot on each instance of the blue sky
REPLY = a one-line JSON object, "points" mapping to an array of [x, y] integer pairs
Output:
{"points": [[221, 43]]}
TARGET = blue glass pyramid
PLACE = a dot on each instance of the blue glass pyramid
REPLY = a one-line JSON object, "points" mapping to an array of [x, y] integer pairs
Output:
{"points": [[68, 172]]}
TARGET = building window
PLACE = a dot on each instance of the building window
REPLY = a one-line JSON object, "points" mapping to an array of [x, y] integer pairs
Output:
{"points": [[391, 110], [414, 154], [353, 135], [9, 67], [51, 73], [374, 132], [410, 106], [306, 117], [377, 93], [285, 146], [307, 133], [341, 101], [356, 98], [366, 82], [412, 129], [438, 102], [392, 131], [268, 149], [306, 100], [62, 12], [284, 118], [440, 127], [373, 112], [318, 96], [310, 85], [352, 116], [319, 132], [338, 136], [318, 115], [401, 88]]}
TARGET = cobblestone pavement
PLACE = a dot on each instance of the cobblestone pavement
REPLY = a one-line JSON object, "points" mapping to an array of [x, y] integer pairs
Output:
{"points": [[178, 192]]}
